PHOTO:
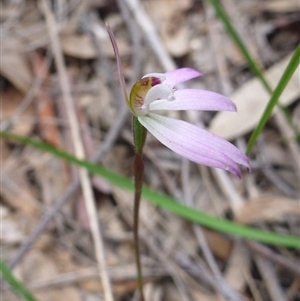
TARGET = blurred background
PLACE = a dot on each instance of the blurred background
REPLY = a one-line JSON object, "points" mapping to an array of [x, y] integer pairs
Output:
{"points": [[58, 75]]}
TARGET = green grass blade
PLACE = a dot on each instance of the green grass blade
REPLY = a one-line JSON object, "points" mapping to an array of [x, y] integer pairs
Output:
{"points": [[15, 284], [166, 202], [285, 78]]}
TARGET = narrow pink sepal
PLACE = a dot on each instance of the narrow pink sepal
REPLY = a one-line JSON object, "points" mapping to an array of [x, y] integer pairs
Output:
{"points": [[193, 99], [180, 75], [195, 143], [119, 63]]}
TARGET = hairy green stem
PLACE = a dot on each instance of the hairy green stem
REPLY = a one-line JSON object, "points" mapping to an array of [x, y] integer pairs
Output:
{"points": [[138, 185]]}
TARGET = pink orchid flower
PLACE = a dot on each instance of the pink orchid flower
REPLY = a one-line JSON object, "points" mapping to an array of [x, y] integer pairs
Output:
{"points": [[155, 93]]}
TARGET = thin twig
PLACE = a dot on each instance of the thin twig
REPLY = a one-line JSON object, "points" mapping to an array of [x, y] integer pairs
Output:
{"points": [[264, 251], [118, 274], [269, 276]]}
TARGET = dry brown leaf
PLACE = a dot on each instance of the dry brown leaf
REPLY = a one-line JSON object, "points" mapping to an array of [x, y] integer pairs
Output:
{"points": [[276, 154], [45, 241], [9, 102], [125, 288], [251, 100], [81, 46], [238, 263], [18, 194], [95, 105], [174, 35], [92, 285], [218, 243], [177, 43], [280, 6], [38, 266], [153, 291], [268, 208], [204, 296], [166, 10], [48, 174], [16, 69], [171, 292], [10, 232]]}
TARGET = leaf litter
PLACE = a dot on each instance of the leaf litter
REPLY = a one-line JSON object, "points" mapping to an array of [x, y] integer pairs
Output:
{"points": [[62, 262]]}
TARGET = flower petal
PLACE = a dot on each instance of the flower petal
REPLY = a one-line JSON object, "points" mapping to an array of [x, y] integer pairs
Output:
{"points": [[193, 99], [180, 75], [195, 143]]}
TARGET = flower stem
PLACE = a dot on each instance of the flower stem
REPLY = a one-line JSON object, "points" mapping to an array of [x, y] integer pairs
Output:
{"points": [[139, 136], [138, 183]]}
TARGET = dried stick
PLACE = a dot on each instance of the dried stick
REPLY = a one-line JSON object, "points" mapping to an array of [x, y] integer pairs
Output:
{"points": [[267, 253], [79, 151], [119, 274], [270, 279]]}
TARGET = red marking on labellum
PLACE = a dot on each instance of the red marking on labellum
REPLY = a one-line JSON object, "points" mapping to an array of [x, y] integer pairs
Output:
{"points": [[140, 90]]}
